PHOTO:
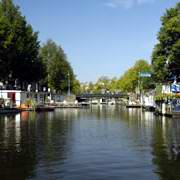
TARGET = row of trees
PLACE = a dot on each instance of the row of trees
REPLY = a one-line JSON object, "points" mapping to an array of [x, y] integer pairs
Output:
{"points": [[130, 81], [23, 61]]}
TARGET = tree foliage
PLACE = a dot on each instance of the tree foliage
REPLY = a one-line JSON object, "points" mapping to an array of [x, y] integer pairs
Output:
{"points": [[58, 69], [128, 82], [131, 78], [19, 46], [166, 54], [102, 85]]}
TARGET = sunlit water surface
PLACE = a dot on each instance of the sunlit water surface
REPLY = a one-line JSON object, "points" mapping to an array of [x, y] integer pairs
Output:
{"points": [[97, 143]]}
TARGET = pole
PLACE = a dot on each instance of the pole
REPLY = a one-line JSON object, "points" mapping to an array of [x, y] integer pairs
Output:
{"points": [[1, 91], [140, 85], [69, 88], [1, 86]]}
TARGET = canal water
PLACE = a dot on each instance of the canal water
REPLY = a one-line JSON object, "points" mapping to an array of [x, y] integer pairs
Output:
{"points": [[97, 143]]}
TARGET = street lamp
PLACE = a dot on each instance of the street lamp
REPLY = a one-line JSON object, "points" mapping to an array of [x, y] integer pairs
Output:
{"points": [[69, 88]]}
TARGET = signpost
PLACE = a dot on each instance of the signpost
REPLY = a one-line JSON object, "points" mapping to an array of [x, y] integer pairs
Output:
{"points": [[144, 74]]}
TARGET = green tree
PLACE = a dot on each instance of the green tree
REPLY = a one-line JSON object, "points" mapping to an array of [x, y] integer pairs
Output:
{"points": [[113, 84], [19, 46], [131, 78], [166, 54], [58, 69], [91, 87], [76, 87], [102, 84]]}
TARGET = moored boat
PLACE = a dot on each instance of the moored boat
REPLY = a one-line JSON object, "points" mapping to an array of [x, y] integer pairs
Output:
{"points": [[9, 110], [44, 108]]}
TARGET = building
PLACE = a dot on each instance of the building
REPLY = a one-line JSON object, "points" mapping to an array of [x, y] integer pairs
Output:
{"points": [[17, 97]]}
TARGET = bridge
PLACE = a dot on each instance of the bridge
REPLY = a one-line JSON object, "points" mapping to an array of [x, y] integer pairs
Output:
{"points": [[102, 95]]}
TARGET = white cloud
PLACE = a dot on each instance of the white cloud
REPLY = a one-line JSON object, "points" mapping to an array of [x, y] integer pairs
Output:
{"points": [[144, 1], [111, 4], [119, 3], [126, 3]]}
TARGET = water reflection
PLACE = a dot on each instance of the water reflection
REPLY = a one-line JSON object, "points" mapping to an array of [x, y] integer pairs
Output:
{"points": [[27, 139], [101, 142], [165, 136], [17, 150]]}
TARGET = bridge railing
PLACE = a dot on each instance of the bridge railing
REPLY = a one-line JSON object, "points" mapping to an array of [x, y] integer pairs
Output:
{"points": [[105, 95]]}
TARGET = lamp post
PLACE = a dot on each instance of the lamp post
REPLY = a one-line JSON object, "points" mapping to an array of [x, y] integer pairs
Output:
{"points": [[1, 86], [69, 88]]}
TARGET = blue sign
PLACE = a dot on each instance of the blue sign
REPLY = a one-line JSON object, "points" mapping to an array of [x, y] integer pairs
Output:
{"points": [[176, 105], [175, 88]]}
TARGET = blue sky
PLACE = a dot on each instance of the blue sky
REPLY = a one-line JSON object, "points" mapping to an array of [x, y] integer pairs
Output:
{"points": [[100, 37]]}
